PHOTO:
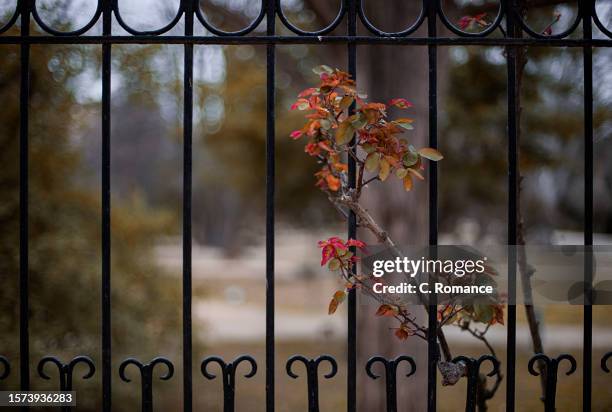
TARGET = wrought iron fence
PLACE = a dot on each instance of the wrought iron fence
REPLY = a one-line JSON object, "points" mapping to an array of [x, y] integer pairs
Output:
{"points": [[508, 30]]}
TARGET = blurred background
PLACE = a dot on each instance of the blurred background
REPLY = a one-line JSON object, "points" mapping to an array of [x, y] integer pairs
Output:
{"points": [[229, 196]]}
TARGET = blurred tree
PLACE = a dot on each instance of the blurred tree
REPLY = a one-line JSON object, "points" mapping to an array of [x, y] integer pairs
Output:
{"points": [[64, 229], [233, 148], [552, 137]]}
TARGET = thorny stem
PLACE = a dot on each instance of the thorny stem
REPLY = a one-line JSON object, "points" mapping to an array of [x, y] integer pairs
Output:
{"points": [[402, 316], [366, 220], [370, 180], [360, 179], [451, 372]]}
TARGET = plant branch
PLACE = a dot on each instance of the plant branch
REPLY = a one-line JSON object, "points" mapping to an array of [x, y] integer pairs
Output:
{"points": [[484, 394], [366, 220]]}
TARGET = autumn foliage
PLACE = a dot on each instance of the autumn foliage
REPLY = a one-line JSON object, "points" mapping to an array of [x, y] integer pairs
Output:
{"points": [[334, 132], [341, 125]]}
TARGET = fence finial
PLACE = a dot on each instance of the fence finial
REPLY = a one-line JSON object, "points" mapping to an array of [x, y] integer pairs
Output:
{"points": [[228, 374], [390, 376], [66, 370], [551, 369], [473, 375], [146, 378], [312, 375]]}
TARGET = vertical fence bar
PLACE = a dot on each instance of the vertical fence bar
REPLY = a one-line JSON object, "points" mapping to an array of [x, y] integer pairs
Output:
{"points": [[187, 188], [511, 56], [270, 189], [351, 377], [587, 7], [432, 337], [24, 112], [106, 209]]}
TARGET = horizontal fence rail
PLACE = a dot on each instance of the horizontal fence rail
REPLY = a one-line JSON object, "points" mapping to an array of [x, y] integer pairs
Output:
{"points": [[263, 40], [508, 30], [353, 9]]}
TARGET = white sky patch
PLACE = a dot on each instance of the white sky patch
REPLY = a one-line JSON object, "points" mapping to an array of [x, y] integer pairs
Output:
{"points": [[459, 54], [148, 14]]}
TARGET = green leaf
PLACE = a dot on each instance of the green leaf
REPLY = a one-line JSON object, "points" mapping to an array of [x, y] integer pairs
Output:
{"points": [[483, 313], [385, 169], [401, 173], [368, 148], [404, 123], [431, 154], [372, 162], [334, 264], [342, 252], [358, 120], [344, 133], [345, 102], [323, 69], [410, 158]]}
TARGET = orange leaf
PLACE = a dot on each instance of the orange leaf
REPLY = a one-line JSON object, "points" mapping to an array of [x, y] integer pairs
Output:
{"points": [[333, 305], [386, 310], [373, 106], [416, 173], [344, 133], [392, 161], [403, 332], [498, 317], [407, 183], [333, 182], [307, 92], [338, 297]]}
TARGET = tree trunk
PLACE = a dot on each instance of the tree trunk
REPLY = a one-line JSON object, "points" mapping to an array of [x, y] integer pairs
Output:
{"points": [[386, 72], [383, 73]]}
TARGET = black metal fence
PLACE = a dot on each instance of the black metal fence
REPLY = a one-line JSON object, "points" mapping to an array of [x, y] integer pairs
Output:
{"points": [[508, 30]]}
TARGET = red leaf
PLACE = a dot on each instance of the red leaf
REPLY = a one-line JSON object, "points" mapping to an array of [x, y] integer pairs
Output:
{"points": [[327, 253], [300, 104], [401, 103], [357, 243], [307, 92], [464, 22]]}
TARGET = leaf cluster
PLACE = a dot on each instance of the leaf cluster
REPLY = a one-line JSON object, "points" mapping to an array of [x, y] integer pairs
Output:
{"points": [[341, 123]]}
